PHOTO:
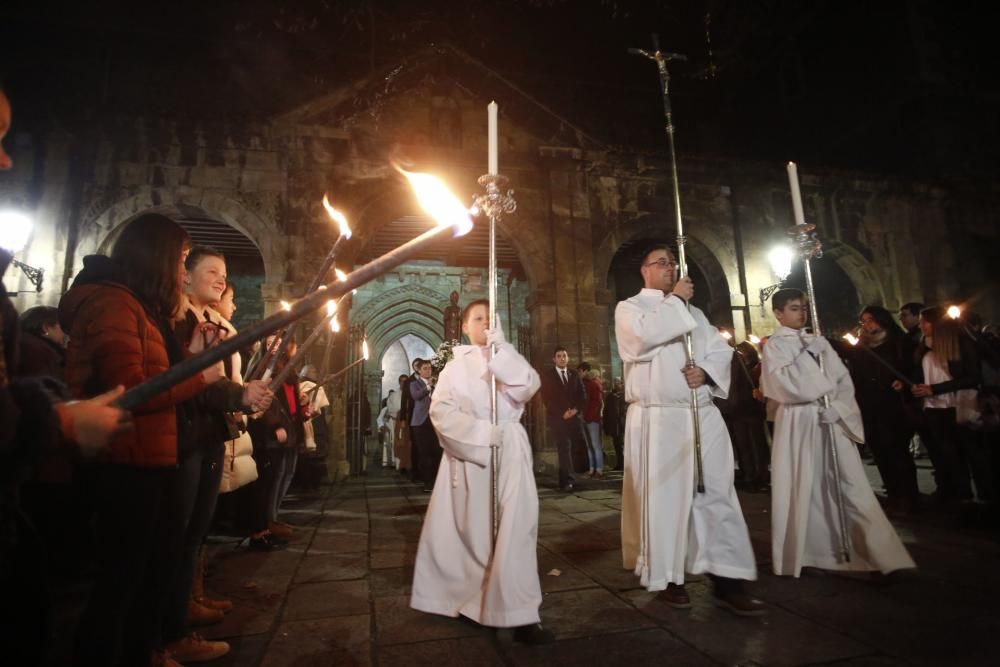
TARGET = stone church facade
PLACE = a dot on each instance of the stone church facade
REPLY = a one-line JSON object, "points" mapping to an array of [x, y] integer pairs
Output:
{"points": [[585, 209]]}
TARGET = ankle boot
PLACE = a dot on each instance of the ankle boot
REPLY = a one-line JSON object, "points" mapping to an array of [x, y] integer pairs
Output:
{"points": [[198, 587], [199, 615]]}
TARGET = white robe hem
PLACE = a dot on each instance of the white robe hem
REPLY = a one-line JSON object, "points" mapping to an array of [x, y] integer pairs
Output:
{"points": [[510, 618]]}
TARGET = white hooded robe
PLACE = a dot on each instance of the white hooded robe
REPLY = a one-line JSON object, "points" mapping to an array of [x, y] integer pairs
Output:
{"points": [[804, 520], [667, 528], [454, 573]]}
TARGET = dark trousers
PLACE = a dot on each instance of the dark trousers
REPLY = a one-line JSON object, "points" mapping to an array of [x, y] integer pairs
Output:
{"points": [[564, 432], [25, 617], [138, 538], [264, 488], [429, 451], [750, 445], [955, 451], [196, 493], [619, 444], [888, 437]]}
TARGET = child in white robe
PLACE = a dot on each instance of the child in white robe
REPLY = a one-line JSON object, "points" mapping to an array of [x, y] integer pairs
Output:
{"points": [[456, 573], [805, 523]]}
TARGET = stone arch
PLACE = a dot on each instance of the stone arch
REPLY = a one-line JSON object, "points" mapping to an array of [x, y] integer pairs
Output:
{"points": [[106, 224], [862, 274], [405, 309], [704, 247]]}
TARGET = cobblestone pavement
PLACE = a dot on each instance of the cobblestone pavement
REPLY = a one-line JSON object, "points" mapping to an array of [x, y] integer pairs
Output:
{"points": [[339, 594]]}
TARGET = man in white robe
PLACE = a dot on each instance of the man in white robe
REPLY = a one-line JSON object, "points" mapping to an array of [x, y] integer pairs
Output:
{"points": [[668, 529], [456, 572], [805, 523]]}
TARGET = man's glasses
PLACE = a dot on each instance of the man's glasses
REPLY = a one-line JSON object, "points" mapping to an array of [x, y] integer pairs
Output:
{"points": [[663, 263]]}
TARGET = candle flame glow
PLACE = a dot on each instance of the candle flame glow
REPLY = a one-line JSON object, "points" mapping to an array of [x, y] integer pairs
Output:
{"points": [[434, 197], [285, 305], [334, 325], [364, 349], [338, 217], [726, 334], [754, 339], [331, 308], [343, 276], [851, 338], [954, 312]]}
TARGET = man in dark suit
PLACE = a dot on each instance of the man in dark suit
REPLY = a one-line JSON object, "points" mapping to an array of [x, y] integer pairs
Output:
{"points": [[405, 411], [421, 428], [565, 399]]}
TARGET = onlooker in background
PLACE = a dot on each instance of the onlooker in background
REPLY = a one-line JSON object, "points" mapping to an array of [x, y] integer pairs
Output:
{"points": [[428, 449], [888, 429], [744, 417], [402, 446], [118, 315], [948, 375], [592, 414], [564, 398], [909, 317], [43, 344], [614, 420]]}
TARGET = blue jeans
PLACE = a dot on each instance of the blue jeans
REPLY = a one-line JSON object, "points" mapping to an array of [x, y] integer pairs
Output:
{"points": [[197, 490], [283, 473], [595, 448]]}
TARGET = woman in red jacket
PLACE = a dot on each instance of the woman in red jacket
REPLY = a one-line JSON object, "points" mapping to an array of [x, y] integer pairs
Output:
{"points": [[118, 316]]}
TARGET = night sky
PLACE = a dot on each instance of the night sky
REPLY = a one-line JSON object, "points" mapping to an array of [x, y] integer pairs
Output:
{"points": [[901, 87]]}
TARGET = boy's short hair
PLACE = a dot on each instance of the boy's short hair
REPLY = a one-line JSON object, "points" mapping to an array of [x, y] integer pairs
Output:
{"points": [[468, 308], [913, 307], [783, 296]]}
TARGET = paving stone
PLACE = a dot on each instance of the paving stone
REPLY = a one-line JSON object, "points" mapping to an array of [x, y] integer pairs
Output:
{"points": [[242, 565], [394, 558], [341, 525], [600, 494], [256, 603], [391, 581], [334, 543], [546, 517], [247, 650], [569, 577], [589, 612], [605, 567], [332, 598], [777, 638], [332, 567], [397, 623], [570, 537], [609, 520], [570, 504], [321, 642], [469, 651], [644, 647]]}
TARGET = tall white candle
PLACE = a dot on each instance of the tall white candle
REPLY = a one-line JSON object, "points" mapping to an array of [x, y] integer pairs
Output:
{"points": [[492, 109], [793, 183]]}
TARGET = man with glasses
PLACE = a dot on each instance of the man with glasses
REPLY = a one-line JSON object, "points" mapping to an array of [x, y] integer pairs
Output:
{"points": [[669, 529]]}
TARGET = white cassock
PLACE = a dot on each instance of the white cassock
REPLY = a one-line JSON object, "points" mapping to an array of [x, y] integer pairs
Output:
{"points": [[454, 574], [805, 525], [667, 528]]}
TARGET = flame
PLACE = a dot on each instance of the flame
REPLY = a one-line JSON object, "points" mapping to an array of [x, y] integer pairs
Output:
{"points": [[725, 334], [285, 305], [954, 312], [331, 308], [338, 217], [334, 325], [343, 276], [364, 349], [851, 338], [754, 339], [440, 204]]}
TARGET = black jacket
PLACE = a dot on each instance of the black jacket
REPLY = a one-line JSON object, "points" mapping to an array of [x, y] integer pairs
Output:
{"points": [[966, 372], [559, 397]]}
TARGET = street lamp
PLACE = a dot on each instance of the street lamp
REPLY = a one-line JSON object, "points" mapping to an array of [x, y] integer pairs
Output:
{"points": [[780, 259], [15, 229]]}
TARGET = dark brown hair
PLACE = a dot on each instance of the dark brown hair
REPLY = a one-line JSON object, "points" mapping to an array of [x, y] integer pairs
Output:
{"points": [[783, 296], [147, 253], [199, 252]]}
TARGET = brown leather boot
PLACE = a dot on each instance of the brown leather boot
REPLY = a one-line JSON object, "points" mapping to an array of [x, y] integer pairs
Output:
{"points": [[198, 587], [199, 615], [676, 596]]}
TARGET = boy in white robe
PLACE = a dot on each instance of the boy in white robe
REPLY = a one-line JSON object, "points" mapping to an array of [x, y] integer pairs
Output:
{"points": [[805, 523], [668, 528], [456, 573]]}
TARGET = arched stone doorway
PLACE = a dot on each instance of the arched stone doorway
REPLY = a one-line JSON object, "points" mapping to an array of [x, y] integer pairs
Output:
{"points": [[398, 358], [244, 261]]}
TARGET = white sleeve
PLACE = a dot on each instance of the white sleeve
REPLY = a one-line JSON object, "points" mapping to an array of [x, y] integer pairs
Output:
{"points": [[641, 333], [461, 435], [520, 380], [790, 374]]}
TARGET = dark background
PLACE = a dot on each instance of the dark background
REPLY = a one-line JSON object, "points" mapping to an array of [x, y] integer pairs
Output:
{"points": [[902, 87]]}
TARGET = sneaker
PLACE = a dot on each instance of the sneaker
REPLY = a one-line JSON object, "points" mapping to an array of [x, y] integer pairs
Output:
{"points": [[281, 530], [675, 596], [225, 606], [739, 602], [533, 635], [198, 616], [195, 648]]}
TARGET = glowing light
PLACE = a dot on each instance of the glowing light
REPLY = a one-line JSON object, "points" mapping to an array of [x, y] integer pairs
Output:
{"points": [[851, 338], [341, 276], [435, 198], [334, 325], [954, 312], [725, 334], [286, 306], [331, 308], [15, 228], [364, 349], [338, 217], [754, 339], [780, 259]]}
